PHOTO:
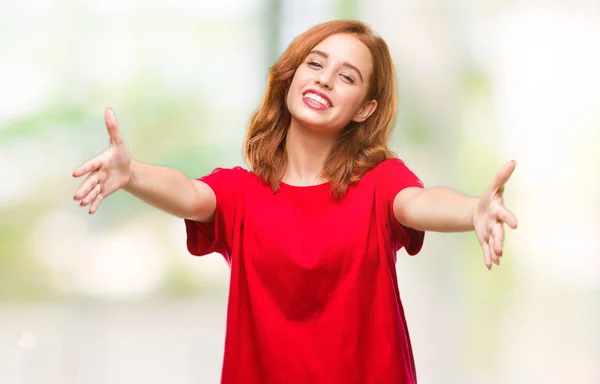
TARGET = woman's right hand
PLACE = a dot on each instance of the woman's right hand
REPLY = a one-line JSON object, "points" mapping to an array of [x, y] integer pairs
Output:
{"points": [[107, 172]]}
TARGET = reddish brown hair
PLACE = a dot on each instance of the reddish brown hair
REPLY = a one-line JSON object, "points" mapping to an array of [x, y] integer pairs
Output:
{"points": [[361, 145]]}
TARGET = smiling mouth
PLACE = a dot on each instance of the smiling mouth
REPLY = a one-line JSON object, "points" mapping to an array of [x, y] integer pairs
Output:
{"points": [[314, 97]]}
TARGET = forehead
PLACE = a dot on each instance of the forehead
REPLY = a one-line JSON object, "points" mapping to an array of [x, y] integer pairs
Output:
{"points": [[347, 48]]}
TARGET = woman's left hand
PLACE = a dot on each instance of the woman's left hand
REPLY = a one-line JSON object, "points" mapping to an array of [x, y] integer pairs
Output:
{"points": [[490, 216]]}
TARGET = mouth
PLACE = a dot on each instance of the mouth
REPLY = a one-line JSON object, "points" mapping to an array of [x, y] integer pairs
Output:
{"points": [[316, 99]]}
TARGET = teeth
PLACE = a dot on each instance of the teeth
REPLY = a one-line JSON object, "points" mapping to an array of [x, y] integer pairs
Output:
{"points": [[317, 99]]}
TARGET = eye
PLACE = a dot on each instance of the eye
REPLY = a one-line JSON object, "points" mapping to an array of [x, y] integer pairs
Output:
{"points": [[314, 64], [347, 78]]}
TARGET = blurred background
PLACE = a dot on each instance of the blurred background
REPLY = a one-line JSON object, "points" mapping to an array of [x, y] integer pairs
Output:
{"points": [[115, 297]]}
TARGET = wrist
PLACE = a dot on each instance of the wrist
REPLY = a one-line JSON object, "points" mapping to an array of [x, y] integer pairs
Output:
{"points": [[131, 175], [474, 210]]}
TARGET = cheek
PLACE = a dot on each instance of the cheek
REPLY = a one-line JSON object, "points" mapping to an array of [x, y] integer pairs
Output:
{"points": [[288, 99], [293, 90], [352, 104], [298, 79]]}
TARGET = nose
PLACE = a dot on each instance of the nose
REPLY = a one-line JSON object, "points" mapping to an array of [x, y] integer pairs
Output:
{"points": [[324, 80]]}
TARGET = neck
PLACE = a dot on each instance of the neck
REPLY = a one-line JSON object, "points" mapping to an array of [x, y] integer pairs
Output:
{"points": [[306, 151]]}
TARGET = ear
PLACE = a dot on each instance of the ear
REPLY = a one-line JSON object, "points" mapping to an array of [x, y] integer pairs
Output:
{"points": [[365, 111]]}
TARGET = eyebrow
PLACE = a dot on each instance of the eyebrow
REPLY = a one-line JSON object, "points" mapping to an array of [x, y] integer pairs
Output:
{"points": [[346, 64]]}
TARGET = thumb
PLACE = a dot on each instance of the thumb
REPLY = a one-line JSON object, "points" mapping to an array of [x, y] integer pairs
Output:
{"points": [[112, 127]]}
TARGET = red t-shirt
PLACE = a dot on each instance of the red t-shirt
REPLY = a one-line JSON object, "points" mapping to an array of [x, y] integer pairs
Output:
{"points": [[313, 293]]}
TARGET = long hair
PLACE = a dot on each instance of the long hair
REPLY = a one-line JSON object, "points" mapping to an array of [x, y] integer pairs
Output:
{"points": [[361, 146]]}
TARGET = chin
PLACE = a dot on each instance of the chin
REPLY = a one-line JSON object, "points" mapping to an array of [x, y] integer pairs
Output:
{"points": [[317, 125], [310, 119]]}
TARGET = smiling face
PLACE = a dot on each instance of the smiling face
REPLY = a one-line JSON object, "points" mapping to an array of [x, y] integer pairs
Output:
{"points": [[329, 88]]}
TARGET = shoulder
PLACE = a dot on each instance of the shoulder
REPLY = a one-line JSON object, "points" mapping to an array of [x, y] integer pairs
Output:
{"points": [[237, 172], [233, 171], [222, 177], [389, 164], [393, 175], [393, 167], [234, 178]]}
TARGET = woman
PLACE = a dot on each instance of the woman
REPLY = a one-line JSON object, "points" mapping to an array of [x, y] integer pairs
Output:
{"points": [[311, 232]]}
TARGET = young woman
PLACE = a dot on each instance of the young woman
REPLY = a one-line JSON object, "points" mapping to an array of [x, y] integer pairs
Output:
{"points": [[312, 230]]}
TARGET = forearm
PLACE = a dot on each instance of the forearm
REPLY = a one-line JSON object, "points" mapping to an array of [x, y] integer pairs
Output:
{"points": [[170, 190], [440, 209]]}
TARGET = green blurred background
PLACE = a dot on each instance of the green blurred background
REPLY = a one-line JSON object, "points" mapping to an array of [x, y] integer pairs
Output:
{"points": [[116, 298]]}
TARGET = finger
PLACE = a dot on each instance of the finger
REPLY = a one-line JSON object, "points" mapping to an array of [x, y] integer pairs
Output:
{"points": [[481, 238], [498, 234], [89, 184], [493, 254], [505, 216], [487, 258], [112, 127], [91, 196], [88, 166], [503, 175], [96, 204]]}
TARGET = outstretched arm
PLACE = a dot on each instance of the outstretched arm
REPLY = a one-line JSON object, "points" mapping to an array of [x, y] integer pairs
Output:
{"points": [[443, 209], [162, 187]]}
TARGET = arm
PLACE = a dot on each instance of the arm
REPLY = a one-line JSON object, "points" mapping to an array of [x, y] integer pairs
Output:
{"points": [[170, 190], [165, 188], [443, 209], [438, 209]]}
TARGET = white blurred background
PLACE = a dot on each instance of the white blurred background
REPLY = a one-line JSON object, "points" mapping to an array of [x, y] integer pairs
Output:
{"points": [[115, 297]]}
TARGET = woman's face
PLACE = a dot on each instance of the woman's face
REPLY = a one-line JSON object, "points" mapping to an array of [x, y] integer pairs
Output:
{"points": [[330, 86]]}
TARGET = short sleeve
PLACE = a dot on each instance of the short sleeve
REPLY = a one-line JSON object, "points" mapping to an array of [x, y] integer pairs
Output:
{"points": [[217, 236], [395, 176]]}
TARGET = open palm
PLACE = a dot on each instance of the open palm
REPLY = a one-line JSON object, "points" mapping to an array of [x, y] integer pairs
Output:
{"points": [[491, 215], [107, 172]]}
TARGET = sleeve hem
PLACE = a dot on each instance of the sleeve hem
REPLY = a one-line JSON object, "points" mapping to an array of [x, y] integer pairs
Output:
{"points": [[199, 244]]}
